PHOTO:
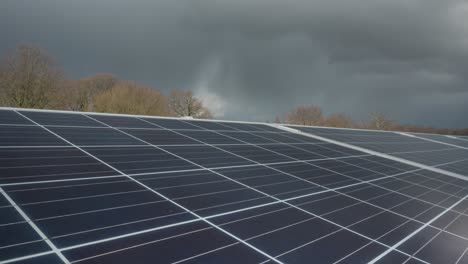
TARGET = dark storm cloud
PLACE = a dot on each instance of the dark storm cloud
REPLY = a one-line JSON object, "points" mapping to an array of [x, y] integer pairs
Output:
{"points": [[258, 58]]}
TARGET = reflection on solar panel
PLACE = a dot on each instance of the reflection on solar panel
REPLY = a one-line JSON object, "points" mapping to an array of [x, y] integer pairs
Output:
{"points": [[101, 188]]}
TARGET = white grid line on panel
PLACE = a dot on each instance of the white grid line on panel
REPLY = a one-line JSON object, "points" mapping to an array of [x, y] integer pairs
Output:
{"points": [[217, 215], [437, 234], [396, 245], [283, 201], [431, 140], [208, 144], [164, 172], [124, 115], [175, 203], [35, 227], [422, 166], [26, 257], [178, 205]]}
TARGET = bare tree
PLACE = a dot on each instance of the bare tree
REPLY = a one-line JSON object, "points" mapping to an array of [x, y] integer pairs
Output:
{"points": [[78, 95], [89, 87], [338, 120], [69, 97], [381, 122], [28, 78], [100, 82], [131, 98], [305, 115], [184, 103]]}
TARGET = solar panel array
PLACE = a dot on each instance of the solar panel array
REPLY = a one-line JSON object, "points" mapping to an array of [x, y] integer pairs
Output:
{"points": [[97, 188], [448, 153]]}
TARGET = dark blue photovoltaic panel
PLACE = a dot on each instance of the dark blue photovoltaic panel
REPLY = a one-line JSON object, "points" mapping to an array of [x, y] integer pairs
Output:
{"points": [[188, 241], [122, 121], [250, 127], [438, 150], [19, 239], [12, 118], [437, 245], [204, 192], [256, 154], [266, 128], [209, 137], [48, 164], [71, 215], [60, 119], [247, 137], [290, 224], [460, 167], [27, 136], [442, 138], [134, 160], [171, 123], [207, 156], [285, 137], [146, 190], [51, 258], [379, 140], [160, 137], [329, 150], [94, 136], [295, 151], [272, 182], [210, 125]]}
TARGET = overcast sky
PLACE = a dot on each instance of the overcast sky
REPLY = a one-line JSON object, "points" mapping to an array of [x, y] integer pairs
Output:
{"points": [[254, 59]]}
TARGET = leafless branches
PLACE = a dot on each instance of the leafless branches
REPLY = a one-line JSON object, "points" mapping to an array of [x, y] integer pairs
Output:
{"points": [[131, 98], [28, 78], [305, 115], [183, 103]]}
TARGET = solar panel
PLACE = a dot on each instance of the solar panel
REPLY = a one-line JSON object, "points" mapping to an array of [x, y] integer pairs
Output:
{"points": [[445, 139], [450, 154], [102, 188]]}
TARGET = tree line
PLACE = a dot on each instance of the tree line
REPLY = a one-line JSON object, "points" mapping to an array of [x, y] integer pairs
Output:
{"points": [[30, 78], [312, 115]]}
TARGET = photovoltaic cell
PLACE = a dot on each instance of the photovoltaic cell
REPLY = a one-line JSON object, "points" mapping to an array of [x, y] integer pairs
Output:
{"points": [[208, 137], [210, 125], [46, 259], [19, 239], [204, 192], [445, 139], [135, 160], [60, 119], [94, 136], [122, 121], [283, 137], [207, 156], [168, 246], [247, 137], [140, 190], [21, 136], [71, 215], [21, 165], [161, 137], [432, 150], [12, 118], [170, 123], [250, 127]]}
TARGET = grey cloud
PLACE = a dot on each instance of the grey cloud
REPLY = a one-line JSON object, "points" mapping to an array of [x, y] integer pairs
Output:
{"points": [[407, 58]]}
